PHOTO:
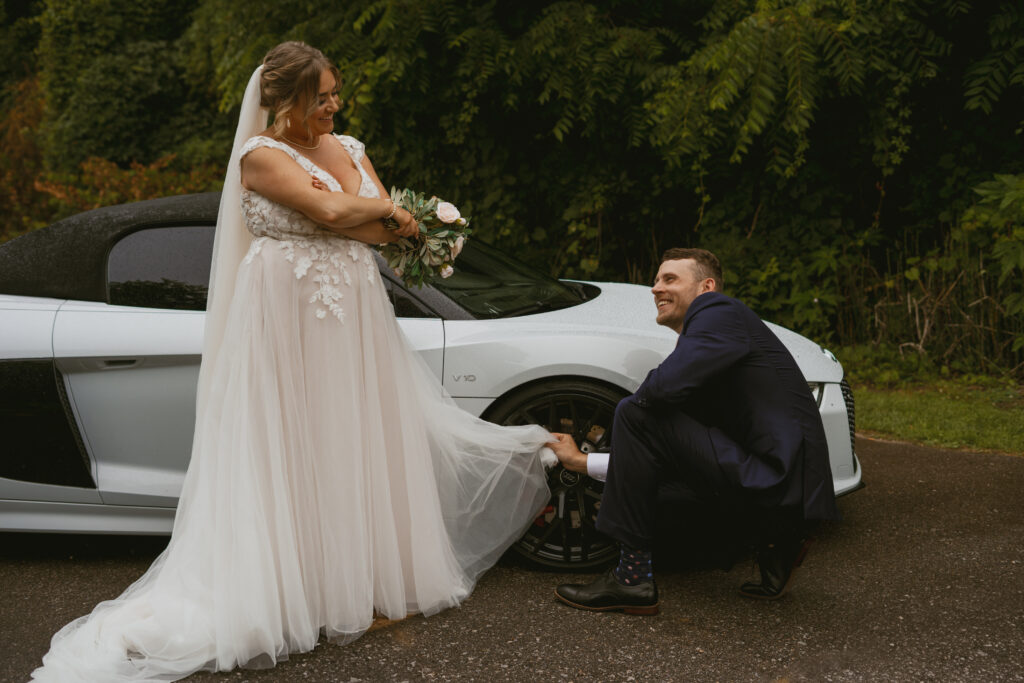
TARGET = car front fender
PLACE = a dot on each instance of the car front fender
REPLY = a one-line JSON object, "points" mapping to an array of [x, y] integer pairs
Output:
{"points": [[487, 359]]}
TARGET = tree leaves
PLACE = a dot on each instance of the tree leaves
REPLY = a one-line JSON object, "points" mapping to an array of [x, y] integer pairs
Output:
{"points": [[840, 138], [988, 78]]}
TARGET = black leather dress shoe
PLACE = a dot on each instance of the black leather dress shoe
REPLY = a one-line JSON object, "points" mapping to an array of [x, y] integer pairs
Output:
{"points": [[606, 594], [777, 562]]}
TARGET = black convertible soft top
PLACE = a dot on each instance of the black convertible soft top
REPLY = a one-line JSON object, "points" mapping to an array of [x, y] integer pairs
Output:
{"points": [[67, 260]]}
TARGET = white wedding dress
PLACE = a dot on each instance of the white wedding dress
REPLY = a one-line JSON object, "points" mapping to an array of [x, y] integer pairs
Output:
{"points": [[331, 476]]}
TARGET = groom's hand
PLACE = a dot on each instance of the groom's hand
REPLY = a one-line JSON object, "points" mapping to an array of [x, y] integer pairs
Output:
{"points": [[568, 454]]}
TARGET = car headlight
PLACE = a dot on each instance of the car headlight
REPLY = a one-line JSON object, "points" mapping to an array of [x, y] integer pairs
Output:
{"points": [[816, 391]]}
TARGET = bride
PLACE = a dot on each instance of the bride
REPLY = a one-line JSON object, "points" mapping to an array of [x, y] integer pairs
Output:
{"points": [[331, 477]]}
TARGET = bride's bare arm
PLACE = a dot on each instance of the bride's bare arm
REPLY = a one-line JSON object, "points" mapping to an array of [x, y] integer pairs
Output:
{"points": [[373, 232], [277, 177]]}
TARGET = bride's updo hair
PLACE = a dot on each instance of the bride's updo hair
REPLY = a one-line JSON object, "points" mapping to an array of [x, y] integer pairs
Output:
{"points": [[291, 76]]}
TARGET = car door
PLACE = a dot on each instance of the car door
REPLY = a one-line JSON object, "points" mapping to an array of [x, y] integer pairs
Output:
{"points": [[41, 457], [131, 364]]}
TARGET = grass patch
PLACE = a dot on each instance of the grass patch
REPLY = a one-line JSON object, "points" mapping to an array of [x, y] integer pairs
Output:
{"points": [[945, 414], [905, 397]]}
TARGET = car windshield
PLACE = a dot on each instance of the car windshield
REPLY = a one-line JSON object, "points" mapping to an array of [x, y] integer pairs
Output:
{"points": [[489, 284]]}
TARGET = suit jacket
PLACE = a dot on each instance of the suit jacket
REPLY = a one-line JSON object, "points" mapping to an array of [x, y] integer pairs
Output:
{"points": [[730, 372]]}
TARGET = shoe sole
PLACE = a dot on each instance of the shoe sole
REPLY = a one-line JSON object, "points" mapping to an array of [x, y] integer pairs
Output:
{"points": [[796, 565], [757, 596], [638, 610]]}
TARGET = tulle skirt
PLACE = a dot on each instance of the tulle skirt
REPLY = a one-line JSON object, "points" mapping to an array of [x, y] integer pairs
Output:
{"points": [[331, 478]]}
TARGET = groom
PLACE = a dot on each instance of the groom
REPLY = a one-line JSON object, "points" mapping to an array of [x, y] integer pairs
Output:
{"points": [[727, 415]]}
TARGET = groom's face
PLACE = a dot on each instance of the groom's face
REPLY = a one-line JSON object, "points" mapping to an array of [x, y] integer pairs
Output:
{"points": [[675, 288]]}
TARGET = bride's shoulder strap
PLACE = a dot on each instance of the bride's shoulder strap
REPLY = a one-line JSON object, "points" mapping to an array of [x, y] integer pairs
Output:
{"points": [[355, 148], [257, 141]]}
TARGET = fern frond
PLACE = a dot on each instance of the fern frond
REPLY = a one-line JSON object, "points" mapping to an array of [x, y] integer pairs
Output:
{"points": [[802, 85], [987, 79], [764, 82]]}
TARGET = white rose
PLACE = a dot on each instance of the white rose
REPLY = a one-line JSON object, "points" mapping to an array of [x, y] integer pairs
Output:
{"points": [[447, 271], [457, 247], [460, 221], [447, 213], [398, 272]]}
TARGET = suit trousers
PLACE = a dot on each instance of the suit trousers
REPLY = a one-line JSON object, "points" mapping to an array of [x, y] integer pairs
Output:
{"points": [[650, 448]]}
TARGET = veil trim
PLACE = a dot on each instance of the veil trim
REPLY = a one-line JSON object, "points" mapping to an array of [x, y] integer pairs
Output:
{"points": [[231, 240]]}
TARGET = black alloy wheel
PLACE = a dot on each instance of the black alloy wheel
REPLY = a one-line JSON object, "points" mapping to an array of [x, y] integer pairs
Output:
{"points": [[564, 536]]}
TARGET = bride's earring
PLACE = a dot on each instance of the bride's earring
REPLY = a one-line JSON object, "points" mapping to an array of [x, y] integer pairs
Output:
{"points": [[287, 123]]}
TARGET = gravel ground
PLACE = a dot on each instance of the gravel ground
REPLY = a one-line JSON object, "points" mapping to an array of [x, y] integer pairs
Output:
{"points": [[923, 580]]}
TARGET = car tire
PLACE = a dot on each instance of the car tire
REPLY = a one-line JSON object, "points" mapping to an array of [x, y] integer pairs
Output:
{"points": [[564, 536]]}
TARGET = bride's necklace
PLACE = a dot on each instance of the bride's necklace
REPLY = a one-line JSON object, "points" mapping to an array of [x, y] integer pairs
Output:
{"points": [[299, 144]]}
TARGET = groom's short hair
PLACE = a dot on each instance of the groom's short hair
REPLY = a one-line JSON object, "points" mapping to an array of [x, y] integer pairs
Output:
{"points": [[707, 263]]}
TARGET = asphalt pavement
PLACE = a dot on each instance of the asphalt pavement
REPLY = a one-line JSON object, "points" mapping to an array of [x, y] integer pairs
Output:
{"points": [[922, 580]]}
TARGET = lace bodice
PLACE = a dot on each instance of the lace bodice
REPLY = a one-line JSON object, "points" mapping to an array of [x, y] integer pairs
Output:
{"points": [[330, 261], [264, 217]]}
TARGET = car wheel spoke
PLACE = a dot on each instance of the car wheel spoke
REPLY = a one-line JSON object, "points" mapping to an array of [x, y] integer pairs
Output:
{"points": [[521, 417], [576, 426], [584, 541], [555, 524], [606, 436], [553, 424], [560, 512]]}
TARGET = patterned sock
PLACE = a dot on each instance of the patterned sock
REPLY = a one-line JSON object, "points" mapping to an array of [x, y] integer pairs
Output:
{"points": [[635, 567]]}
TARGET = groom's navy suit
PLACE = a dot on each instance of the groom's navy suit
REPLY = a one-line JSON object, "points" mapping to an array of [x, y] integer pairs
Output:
{"points": [[729, 416]]}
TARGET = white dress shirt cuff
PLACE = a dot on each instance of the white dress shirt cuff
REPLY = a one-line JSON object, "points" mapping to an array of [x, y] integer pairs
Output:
{"points": [[597, 465]]}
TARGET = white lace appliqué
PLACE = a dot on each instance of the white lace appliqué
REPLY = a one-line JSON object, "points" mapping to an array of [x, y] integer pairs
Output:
{"points": [[310, 248], [323, 256], [371, 268], [254, 248]]}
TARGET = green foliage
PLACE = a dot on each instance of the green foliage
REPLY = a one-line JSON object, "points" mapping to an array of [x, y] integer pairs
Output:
{"points": [[999, 217], [114, 105], [76, 32], [113, 78], [886, 366], [1003, 67], [99, 182], [22, 205], [1001, 213], [19, 34], [828, 150], [763, 70]]}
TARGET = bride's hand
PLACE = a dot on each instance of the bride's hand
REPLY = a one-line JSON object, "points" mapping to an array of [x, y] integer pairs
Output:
{"points": [[407, 226]]}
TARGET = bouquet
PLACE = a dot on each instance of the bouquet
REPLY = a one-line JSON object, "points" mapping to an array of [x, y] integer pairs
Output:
{"points": [[430, 253]]}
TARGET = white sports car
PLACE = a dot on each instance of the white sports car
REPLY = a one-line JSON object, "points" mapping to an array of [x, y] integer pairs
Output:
{"points": [[101, 322]]}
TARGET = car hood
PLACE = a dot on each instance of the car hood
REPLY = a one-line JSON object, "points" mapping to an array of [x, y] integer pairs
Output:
{"points": [[628, 310]]}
